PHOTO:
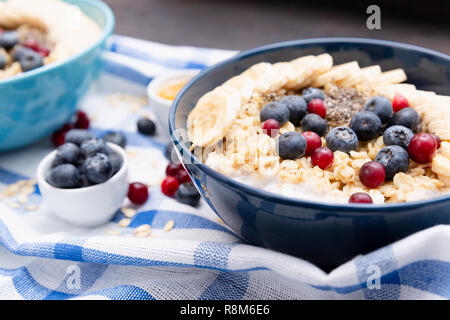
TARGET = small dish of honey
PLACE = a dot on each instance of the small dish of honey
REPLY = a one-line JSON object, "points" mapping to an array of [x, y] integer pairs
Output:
{"points": [[163, 89], [170, 89]]}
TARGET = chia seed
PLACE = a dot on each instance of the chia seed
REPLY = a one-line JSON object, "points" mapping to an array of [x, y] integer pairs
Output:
{"points": [[342, 104]]}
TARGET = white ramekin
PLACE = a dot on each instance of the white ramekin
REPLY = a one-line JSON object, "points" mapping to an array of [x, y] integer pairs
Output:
{"points": [[89, 206], [159, 105]]}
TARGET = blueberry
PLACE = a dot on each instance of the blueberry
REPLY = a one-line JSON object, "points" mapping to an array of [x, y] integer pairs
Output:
{"points": [[297, 108], [342, 139], [78, 136], [291, 145], [407, 117], [398, 135], [67, 153], [366, 124], [64, 176], [116, 161], [98, 168], [30, 61], [275, 110], [20, 51], [171, 154], [187, 194], [84, 182], [93, 146], [394, 159], [2, 61], [315, 123], [9, 39], [312, 93], [146, 126], [381, 106], [168, 151], [116, 138]]}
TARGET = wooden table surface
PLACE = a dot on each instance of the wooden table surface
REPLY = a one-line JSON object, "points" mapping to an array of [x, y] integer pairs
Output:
{"points": [[246, 24]]}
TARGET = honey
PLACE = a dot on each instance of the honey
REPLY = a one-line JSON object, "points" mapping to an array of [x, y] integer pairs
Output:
{"points": [[170, 89]]}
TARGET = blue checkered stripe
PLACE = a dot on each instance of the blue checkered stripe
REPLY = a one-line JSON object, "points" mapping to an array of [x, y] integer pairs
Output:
{"points": [[205, 260]]}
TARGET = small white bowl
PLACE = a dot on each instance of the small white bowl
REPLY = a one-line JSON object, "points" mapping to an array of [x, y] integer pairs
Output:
{"points": [[89, 206], [159, 105]]}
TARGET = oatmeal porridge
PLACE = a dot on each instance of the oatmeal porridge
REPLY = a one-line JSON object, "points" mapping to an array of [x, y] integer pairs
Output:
{"points": [[39, 32], [310, 130]]}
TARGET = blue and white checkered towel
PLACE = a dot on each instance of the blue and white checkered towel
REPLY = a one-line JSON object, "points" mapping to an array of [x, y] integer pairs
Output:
{"points": [[42, 257]]}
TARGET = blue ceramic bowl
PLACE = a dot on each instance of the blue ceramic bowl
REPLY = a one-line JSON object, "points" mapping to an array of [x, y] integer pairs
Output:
{"points": [[323, 233], [35, 103]]}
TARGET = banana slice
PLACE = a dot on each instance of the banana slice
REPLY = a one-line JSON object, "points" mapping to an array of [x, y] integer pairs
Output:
{"points": [[390, 77], [243, 84], [304, 68], [288, 71], [352, 80], [213, 115], [389, 91], [336, 74], [441, 165], [324, 62], [265, 77], [444, 179]]}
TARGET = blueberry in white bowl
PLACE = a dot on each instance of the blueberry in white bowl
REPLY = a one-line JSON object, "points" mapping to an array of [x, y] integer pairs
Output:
{"points": [[64, 176], [87, 192], [115, 137], [78, 136]]}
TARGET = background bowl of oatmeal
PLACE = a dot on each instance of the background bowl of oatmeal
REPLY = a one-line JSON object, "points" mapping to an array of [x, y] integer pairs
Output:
{"points": [[35, 103], [326, 234]]}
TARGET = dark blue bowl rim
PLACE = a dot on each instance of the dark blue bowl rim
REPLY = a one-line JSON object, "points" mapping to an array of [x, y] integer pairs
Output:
{"points": [[105, 33], [273, 197]]}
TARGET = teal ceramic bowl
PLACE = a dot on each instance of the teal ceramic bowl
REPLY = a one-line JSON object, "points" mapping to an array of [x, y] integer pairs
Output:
{"points": [[35, 103]]}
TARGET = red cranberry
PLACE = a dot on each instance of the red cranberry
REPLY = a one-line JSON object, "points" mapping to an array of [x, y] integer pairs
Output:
{"points": [[313, 142], [422, 147], [322, 157], [44, 51], [169, 186], [438, 140], [173, 168], [271, 126], [59, 138], [35, 46], [137, 193], [317, 106], [31, 44], [82, 121], [372, 174], [67, 126], [182, 176], [399, 102], [360, 197]]}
